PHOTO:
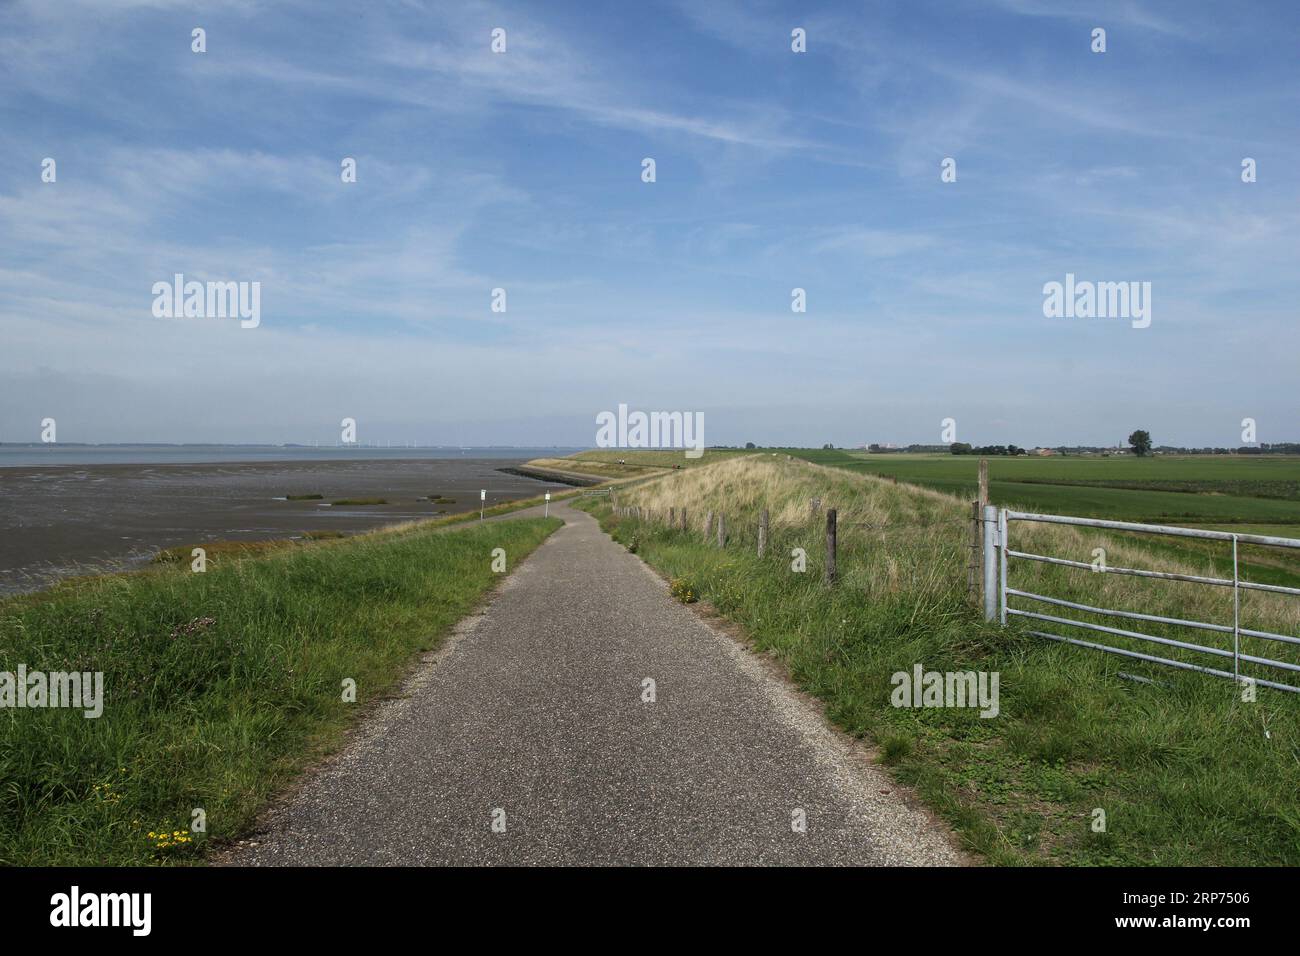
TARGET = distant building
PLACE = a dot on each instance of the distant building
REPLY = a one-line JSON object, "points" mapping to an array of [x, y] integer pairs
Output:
{"points": [[1042, 451]]}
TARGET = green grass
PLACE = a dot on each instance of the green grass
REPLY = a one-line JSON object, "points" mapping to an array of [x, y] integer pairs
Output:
{"points": [[1186, 772], [303, 497], [216, 550], [1200, 489], [219, 687], [344, 502]]}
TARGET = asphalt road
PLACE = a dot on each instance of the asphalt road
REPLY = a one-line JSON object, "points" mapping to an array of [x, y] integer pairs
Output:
{"points": [[532, 715]]}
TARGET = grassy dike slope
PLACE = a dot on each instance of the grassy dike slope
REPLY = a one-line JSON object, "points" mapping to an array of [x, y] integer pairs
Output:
{"points": [[1183, 769], [218, 686]]}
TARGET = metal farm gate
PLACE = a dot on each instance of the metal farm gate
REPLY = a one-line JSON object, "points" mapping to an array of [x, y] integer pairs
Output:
{"points": [[998, 552]]}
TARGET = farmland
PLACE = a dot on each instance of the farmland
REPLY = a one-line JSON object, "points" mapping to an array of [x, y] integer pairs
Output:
{"points": [[1191, 489]]}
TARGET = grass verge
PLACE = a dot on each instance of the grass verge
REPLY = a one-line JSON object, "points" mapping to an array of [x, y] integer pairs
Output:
{"points": [[218, 687]]}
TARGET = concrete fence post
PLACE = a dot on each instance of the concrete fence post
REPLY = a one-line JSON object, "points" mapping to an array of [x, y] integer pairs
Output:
{"points": [[722, 530], [762, 532], [708, 525], [973, 577], [990, 563]]}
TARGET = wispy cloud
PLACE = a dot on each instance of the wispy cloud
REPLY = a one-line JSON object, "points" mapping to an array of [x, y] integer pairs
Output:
{"points": [[522, 171]]}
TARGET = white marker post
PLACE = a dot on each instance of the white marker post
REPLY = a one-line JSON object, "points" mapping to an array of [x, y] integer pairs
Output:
{"points": [[547, 512], [482, 497]]}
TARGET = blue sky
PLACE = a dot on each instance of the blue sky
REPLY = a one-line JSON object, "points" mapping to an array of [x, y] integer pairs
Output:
{"points": [[775, 170]]}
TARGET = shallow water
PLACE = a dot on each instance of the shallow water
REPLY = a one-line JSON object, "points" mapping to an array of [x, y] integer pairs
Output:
{"points": [[58, 520]]}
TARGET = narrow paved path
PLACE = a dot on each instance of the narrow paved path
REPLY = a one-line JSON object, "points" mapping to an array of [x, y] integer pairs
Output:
{"points": [[532, 713]]}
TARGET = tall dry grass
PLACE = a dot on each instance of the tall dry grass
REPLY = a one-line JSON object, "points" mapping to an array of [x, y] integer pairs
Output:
{"points": [[893, 537]]}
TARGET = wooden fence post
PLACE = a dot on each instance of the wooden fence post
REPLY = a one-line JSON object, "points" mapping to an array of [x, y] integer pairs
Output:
{"points": [[672, 517], [722, 530], [814, 506], [708, 525], [684, 526], [830, 547], [762, 532]]}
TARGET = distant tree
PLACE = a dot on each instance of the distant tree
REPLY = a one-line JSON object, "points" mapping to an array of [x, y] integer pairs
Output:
{"points": [[1140, 442], [828, 447], [960, 448], [750, 444]]}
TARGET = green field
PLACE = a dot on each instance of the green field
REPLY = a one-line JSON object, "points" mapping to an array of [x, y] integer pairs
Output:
{"points": [[1199, 490]]}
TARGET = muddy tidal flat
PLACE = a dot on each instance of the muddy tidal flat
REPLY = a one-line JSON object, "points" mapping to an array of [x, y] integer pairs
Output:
{"points": [[60, 520]]}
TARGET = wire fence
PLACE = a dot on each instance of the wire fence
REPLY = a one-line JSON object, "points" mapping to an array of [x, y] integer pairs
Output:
{"points": [[1242, 653]]}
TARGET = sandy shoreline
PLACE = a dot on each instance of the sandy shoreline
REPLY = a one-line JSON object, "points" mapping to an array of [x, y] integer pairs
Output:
{"points": [[57, 520]]}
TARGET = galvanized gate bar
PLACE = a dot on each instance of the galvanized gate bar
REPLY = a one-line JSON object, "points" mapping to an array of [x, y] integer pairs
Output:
{"points": [[1236, 614], [1171, 642], [1166, 575], [1182, 665], [1002, 563], [1154, 529], [1221, 628]]}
